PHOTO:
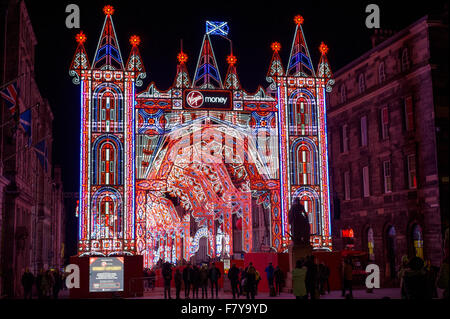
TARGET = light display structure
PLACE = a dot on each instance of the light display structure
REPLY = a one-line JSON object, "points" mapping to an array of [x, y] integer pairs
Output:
{"points": [[159, 170]]}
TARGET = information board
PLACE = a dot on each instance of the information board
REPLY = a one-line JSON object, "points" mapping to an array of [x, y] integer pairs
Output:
{"points": [[105, 274]]}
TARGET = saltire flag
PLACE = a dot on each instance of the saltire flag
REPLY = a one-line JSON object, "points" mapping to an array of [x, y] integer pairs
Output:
{"points": [[42, 154], [11, 95], [217, 28], [25, 121]]}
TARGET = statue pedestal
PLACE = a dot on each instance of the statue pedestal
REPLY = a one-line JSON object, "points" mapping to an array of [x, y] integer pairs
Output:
{"points": [[296, 252]]}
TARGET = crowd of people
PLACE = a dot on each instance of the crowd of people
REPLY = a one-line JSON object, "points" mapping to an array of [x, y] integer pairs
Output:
{"points": [[310, 279], [47, 284]]}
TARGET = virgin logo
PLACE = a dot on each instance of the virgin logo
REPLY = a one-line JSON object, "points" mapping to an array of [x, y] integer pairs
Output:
{"points": [[194, 99]]}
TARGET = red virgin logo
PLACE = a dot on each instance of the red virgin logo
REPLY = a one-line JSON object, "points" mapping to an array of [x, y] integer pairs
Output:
{"points": [[194, 99]]}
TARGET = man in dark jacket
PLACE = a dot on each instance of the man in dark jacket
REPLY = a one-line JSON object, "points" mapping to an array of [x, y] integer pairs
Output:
{"points": [[233, 275], [214, 275], [27, 283], [195, 281], [311, 277], [279, 277], [187, 278], [167, 275], [178, 279], [415, 280], [204, 281], [270, 274]]}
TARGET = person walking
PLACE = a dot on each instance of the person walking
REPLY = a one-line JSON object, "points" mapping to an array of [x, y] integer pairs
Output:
{"points": [[214, 275], [233, 276], [187, 278], [415, 279], [27, 283], [167, 275], [38, 282], [299, 280], [57, 283], [270, 276], [178, 280], [347, 278], [250, 282], [195, 281], [279, 278], [401, 273], [311, 278], [204, 281], [242, 281], [324, 273]]}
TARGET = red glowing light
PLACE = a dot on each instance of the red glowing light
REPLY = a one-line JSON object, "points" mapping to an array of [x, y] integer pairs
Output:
{"points": [[298, 20], [276, 46], [80, 37], [231, 59], [323, 48], [135, 40], [182, 57], [108, 10]]}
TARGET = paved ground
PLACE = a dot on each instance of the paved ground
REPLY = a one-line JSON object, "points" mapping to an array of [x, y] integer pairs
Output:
{"points": [[392, 293]]}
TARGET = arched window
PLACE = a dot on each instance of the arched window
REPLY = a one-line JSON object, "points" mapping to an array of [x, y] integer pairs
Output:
{"points": [[391, 251], [106, 214], [417, 241], [370, 244], [304, 162], [310, 201], [107, 161], [362, 83], [107, 109], [381, 73], [302, 114], [108, 164], [405, 59]]}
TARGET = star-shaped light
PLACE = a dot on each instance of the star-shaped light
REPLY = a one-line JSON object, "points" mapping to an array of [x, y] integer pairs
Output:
{"points": [[135, 40], [108, 10], [231, 59], [182, 57], [80, 37], [276, 46], [298, 20], [323, 48]]}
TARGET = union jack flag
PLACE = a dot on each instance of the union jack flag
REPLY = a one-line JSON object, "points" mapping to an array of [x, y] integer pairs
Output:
{"points": [[10, 94]]}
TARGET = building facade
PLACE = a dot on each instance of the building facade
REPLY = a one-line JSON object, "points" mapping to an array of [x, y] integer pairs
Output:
{"points": [[32, 215], [164, 171], [388, 124]]}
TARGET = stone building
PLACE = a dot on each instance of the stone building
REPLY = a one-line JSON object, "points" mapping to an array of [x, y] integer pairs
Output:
{"points": [[388, 124], [32, 215]]}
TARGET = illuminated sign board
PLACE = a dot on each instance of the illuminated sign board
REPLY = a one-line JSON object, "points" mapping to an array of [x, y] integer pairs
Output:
{"points": [[207, 100], [105, 274]]}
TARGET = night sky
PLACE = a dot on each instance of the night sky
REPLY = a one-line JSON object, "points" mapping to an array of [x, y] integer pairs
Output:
{"points": [[162, 24]]}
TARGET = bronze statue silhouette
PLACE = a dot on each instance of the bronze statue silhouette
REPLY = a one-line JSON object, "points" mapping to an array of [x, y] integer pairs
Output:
{"points": [[298, 219]]}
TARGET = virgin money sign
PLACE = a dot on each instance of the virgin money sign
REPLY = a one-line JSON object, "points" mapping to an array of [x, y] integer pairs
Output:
{"points": [[207, 99]]}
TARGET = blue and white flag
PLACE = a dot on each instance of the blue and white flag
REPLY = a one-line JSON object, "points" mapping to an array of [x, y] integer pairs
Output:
{"points": [[25, 121], [42, 154], [217, 28]]}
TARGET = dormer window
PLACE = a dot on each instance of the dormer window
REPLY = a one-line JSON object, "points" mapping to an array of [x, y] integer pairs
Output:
{"points": [[405, 59], [343, 92], [381, 73], [362, 83]]}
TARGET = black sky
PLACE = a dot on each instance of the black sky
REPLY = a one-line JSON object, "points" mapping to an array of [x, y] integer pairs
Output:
{"points": [[254, 25]]}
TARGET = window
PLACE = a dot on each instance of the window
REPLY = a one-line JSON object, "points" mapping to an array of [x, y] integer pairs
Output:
{"points": [[344, 138], [370, 244], [405, 59], [362, 83], [409, 113], [384, 119], [387, 176], [364, 131], [366, 190], [343, 92], [381, 73], [418, 241], [347, 185], [412, 176]]}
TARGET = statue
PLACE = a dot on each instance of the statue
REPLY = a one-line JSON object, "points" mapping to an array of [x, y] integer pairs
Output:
{"points": [[298, 219]]}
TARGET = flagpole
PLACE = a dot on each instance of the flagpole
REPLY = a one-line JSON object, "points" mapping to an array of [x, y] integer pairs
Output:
{"points": [[3, 80]]}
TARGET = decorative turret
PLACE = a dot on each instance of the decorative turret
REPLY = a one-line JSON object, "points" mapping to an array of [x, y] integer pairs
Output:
{"points": [[299, 59], [231, 79], [324, 70], [207, 74], [182, 77], [107, 55], [276, 67], [134, 62], [80, 60]]}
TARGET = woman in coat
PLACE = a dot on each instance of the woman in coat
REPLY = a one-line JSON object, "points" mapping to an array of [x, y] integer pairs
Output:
{"points": [[298, 280]]}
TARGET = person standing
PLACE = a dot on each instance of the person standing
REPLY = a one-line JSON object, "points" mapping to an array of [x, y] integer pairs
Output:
{"points": [[38, 282], [195, 281], [178, 278], [214, 275], [299, 280], [348, 277], [167, 275], [27, 283], [270, 275], [250, 282], [311, 277], [204, 281], [57, 283], [401, 274], [279, 277], [187, 278], [233, 276]]}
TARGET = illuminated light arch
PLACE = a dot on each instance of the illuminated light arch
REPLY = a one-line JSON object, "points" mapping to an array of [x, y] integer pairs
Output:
{"points": [[304, 162], [302, 113], [107, 110], [311, 201], [106, 222]]}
